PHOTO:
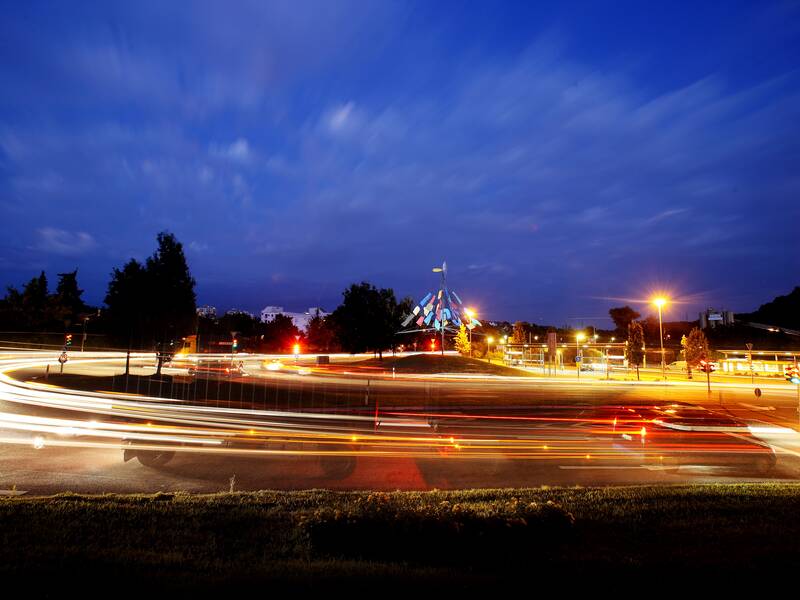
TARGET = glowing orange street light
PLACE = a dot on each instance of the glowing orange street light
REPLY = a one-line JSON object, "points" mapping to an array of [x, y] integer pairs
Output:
{"points": [[579, 337], [660, 302]]}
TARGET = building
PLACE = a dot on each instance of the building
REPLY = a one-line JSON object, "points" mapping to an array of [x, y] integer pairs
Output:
{"points": [[300, 320], [712, 317], [209, 312], [236, 311], [757, 362]]}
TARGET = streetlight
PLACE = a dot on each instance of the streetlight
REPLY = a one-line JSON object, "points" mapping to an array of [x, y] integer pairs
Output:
{"points": [[471, 314], [86, 320], [579, 337], [660, 302], [489, 342]]}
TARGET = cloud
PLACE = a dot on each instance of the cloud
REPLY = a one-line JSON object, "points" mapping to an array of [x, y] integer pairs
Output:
{"points": [[198, 247], [237, 151], [67, 243], [231, 129]]}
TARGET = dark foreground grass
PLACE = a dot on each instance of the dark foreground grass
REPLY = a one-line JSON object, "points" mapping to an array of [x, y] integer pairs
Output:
{"points": [[722, 534]]}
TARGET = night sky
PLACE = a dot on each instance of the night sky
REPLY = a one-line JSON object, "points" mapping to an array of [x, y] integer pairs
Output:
{"points": [[563, 157]]}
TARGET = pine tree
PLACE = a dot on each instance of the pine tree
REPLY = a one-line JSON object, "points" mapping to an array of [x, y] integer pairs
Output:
{"points": [[462, 341], [67, 302]]}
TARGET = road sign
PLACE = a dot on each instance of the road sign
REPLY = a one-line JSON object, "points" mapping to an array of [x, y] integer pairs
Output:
{"points": [[62, 358], [578, 358]]}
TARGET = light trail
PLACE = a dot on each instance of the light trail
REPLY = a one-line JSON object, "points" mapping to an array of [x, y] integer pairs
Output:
{"points": [[122, 420]]}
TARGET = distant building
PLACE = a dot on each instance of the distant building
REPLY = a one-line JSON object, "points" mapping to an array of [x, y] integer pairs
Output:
{"points": [[209, 312], [712, 317], [300, 320], [236, 311]]}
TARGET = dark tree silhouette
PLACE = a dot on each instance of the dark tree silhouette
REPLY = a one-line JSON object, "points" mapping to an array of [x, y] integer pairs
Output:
{"points": [[67, 302], [633, 351], [280, 333], [153, 303], [622, 317], [367, 319]]}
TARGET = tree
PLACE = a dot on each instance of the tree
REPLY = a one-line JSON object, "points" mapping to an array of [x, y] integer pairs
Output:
{"points": [[783, 311], [174, 309], [462, 341], [280, 333], [367, 319], [319, 333], [695, 349], [127, 299], [67, 302], [520, 335], [155, 300], [634, 351], [622, 317], [11, 314], [35, 302]]}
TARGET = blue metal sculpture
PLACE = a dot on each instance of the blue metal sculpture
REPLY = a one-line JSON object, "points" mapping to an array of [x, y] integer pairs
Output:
{"points": [[441, 310]]}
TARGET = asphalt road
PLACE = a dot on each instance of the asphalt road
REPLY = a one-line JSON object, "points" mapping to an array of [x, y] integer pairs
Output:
{"points": [[362, 430]]}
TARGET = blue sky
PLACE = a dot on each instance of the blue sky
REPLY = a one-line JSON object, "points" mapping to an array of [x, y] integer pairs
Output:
{"points": [[562, 157]]}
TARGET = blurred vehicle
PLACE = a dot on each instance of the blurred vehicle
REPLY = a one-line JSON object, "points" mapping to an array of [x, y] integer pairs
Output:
{"points": [[685, 435], [272, 365], [217, 367]]}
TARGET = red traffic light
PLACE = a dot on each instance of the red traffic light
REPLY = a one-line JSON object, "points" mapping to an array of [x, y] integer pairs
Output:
{"points": [[707, 366]]}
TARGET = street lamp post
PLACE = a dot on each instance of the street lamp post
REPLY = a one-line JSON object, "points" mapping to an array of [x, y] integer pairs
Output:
{"points": [[660, 302], [489, 341], [85, 321], [578, 339]]}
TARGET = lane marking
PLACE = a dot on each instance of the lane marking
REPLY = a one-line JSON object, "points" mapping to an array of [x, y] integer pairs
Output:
{"points": [[755, 407]]}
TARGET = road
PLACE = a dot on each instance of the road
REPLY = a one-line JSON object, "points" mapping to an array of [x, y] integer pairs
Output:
{"points": [[301, 427]]}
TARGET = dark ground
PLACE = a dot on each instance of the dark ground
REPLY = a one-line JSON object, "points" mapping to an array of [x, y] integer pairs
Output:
{"points": [[620, 539]]}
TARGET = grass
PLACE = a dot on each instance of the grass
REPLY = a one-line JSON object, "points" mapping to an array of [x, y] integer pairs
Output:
{"points": [[282, 395], [472, 539], [435, 363]]}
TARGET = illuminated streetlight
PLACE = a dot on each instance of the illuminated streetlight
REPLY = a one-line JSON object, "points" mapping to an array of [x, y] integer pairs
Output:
{"points": [[579, 337], [660, 302], [489, 342]]}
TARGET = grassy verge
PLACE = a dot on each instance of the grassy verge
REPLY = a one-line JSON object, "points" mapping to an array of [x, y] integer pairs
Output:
{"points": [[434, 364], [474, 539]]}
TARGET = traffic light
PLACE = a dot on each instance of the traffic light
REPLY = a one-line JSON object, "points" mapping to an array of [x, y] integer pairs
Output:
{"points": [[68, 340], [235, 345], [792, 373], [707, 366]]}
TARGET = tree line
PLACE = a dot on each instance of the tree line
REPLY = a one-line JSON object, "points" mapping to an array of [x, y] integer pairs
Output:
{"points": [[152, 305]]}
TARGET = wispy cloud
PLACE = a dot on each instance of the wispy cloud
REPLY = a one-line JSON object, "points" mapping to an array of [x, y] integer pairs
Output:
{"points": [[67, 243], [238, 150]]}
